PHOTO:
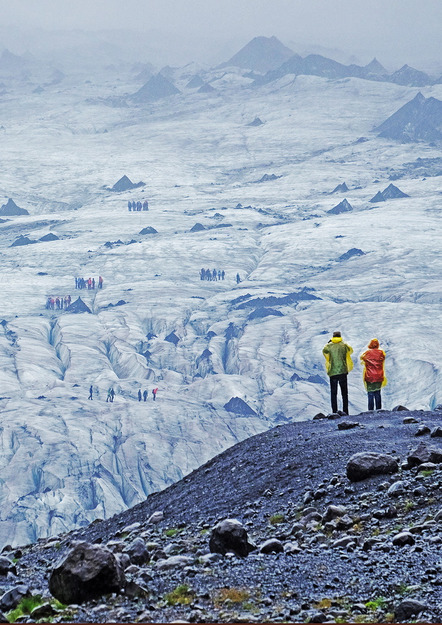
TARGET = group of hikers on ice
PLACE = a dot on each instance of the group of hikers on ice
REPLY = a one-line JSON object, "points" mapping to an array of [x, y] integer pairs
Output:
{"points": [[143, 395], [58, 303], [338, 363], [138, 206], [111, 394], [214, 274], [89, 283]]}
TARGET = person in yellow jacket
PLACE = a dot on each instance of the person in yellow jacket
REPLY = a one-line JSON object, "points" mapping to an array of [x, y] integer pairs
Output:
{"points": [[338, 363]]}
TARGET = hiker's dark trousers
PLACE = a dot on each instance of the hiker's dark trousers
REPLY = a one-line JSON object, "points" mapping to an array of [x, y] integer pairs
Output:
{"points": [[340, 379], [374, 396]]}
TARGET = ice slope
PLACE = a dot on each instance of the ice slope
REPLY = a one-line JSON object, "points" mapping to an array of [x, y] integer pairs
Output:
{"points": [[66, 461]]}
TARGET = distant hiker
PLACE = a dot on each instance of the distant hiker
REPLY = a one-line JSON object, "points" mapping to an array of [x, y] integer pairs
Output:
{"points": [[109, 395], [214, 274], [338, 363], [145, 395], [57, 302], [91, 390], [145, 205], [100, 282], [202, 274], [139, 206], [374, 374], [89, 283], [208, 274], [48, 303], [238, 279], [219, 274], [76, 283], [139, 394], [129, 205], [154, 393], [112, 394], [69, 300], [223, 273]]}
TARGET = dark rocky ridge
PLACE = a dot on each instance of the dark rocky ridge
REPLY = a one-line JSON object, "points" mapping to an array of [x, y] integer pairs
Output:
{"points": [[418, 120], [380, 543]]}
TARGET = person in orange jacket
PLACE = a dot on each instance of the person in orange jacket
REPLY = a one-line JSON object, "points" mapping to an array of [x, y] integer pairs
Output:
{"points": [[374, 373]]}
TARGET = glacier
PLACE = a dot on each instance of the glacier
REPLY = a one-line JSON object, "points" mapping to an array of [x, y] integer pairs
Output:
{"points": [[66, 461]]}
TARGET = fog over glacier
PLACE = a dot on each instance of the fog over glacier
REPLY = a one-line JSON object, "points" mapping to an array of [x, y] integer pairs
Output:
{"points": [[262, 193]]}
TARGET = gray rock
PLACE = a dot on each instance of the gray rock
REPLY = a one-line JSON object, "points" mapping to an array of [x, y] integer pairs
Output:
{"points": [[130, 528], [348, 425], [408, 608], [230, 535], [174, 562], [344, 523], [427, 466], [44, 610], [424, 453], [12, 597], [399, 408], [291, 547], [3, 618], [368, 463], [209, 558], [403, 538], [407, 420], [436, 432], [88, 571], [6, 565], [273, 545], [156, 517], [137, 551], [422, 430], [343, 542], [438, 516], [333, 512], [396, 489], [318, 617]]}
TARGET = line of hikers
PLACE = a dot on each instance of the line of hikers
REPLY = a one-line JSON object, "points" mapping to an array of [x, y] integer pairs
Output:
{"points": [[111, 394], [338, 364], [143, 395], [58, 303], [88, 283], [215, 274], [137, 206]]}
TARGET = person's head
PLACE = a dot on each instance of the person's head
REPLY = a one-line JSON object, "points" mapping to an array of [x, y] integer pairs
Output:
{"points": [[374, 344], [336, 335]]}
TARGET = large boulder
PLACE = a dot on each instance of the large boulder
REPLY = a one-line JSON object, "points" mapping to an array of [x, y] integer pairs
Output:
{"points": [[88, 571], [230, 535], [408, 608], [368, 463], [424, 453]]}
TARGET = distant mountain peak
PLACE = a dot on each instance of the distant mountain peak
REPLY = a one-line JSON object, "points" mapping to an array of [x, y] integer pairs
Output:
{"points": [[374, 67], [420, 119], [261, 54], [156, 88]]}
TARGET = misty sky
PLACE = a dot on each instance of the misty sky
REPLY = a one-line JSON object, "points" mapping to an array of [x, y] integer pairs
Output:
{"points": [[396, 31]]}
